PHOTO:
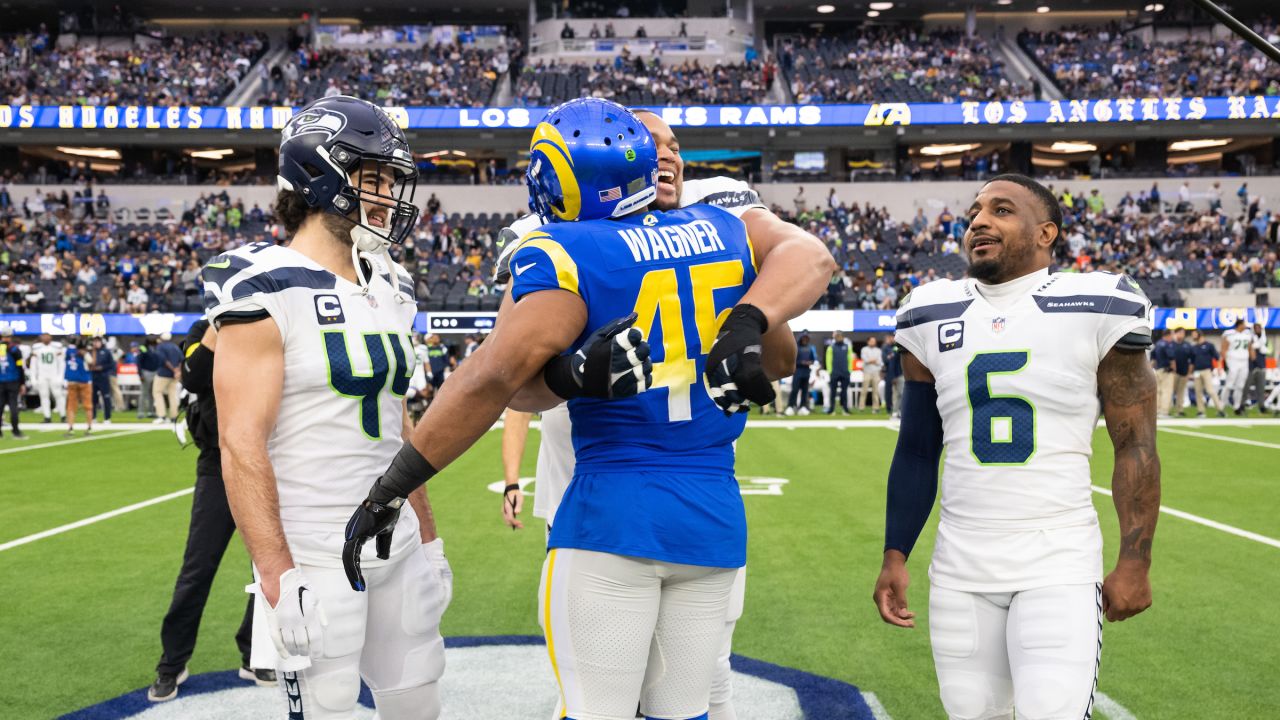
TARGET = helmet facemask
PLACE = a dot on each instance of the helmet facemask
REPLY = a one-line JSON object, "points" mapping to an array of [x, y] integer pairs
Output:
{"points": [[399, 214]]}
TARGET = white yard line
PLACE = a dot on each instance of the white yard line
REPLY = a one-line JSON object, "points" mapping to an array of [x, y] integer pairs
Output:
{"points": [[877, 708], [1208, 523], [96, 518], [1223, 438], [91, 438], [1112, 709], [62, 427]]}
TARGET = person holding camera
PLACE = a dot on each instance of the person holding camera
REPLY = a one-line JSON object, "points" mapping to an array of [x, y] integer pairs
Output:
{"points": [[208, 535], [79, 386]]}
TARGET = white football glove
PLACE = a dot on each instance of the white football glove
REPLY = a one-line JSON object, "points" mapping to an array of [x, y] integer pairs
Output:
{"points": [[296, 622], [434, 551]]}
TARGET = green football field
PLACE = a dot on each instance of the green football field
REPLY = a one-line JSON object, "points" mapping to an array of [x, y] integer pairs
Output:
{"points": [[81, 610]]}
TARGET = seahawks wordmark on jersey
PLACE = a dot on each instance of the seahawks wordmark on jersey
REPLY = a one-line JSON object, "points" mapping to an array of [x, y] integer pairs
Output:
{"points": [[1016, 369], [348, 359]]}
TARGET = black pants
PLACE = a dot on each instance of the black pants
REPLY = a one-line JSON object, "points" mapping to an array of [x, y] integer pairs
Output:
{"points": [[839, 389], [800, 387], [102, 394], [9, 398], [1255, 385], [210, 531]]}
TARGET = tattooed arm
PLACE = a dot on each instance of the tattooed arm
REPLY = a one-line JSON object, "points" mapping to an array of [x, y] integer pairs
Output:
{"points": [[1127, 386]]}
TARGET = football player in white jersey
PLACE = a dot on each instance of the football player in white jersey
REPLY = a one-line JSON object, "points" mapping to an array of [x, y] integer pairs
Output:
{"points": [[555, 450], [48, 366], [1239, 351], [1007, 370], [314, 359]]}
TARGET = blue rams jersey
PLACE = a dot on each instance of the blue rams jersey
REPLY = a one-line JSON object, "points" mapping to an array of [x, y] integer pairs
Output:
{"points": [[76, 371], [666, 453]]}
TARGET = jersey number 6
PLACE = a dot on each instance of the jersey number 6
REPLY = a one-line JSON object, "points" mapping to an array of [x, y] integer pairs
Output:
{"points": [[1003, 427]]}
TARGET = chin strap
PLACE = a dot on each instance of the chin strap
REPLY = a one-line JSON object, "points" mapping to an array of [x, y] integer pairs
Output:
{"points": [[368, 244]]}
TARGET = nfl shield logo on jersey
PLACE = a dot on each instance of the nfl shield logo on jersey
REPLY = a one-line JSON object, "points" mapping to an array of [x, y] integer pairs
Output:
{"points": [[997, 325]]}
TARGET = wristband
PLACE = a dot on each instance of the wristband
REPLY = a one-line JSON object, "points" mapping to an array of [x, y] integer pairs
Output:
{"points": [[509, 488], [558, 374], [407, 472], [747, 312]]}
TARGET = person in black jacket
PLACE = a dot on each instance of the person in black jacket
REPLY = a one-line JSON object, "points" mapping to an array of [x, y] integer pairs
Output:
{"points": [[208, 535]]}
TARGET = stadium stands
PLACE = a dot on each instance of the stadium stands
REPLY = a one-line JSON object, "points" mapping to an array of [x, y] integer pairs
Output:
{"points": [[1108, 62], [876, 64], [444, 75], [184, 69], [58, 260], [640, 82]]}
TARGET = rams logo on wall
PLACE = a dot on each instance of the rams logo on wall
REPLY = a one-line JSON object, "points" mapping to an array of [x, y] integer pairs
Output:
{"points": [[761, 691]]}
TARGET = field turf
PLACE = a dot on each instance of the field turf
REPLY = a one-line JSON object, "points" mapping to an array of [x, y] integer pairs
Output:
{"points": [[81, 611]]}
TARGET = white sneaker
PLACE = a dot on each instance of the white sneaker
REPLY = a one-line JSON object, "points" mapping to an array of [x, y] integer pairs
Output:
{"points": [[106, 423], [804, 411], [158, 421], [789, 412]]}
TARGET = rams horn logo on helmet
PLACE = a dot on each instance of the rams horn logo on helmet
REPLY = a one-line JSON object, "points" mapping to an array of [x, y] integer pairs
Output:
{"points": [[329, 122]]}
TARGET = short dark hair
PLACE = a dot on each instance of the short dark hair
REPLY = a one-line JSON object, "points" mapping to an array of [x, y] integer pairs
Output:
{"points": [[1050, 203]]}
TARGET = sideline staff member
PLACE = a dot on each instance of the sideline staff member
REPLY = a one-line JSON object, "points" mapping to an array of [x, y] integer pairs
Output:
{"points": [[210, 531]]}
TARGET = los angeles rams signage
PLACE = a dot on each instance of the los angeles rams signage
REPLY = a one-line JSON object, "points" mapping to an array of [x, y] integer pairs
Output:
{"points": [[482, 322], [1109, 110]]}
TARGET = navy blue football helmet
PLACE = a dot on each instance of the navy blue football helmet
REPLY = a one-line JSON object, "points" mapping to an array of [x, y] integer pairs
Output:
{"points": [[590, 159], [331, 140]]}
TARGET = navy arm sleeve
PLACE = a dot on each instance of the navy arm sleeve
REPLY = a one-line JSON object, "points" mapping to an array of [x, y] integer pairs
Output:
{"points": [[913, 475]]}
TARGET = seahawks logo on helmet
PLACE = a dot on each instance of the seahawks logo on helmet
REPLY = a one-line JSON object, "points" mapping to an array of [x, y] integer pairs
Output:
{"points": [[316, 120]]}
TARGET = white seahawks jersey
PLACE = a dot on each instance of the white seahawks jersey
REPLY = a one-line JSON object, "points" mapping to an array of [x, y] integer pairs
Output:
{"points": [[48, 361], [1238, 344], [1018, 395], [735, 196], [556, 462], [348, 359]]}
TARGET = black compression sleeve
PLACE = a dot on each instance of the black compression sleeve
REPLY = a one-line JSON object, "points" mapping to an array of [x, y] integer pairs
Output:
{"points": [[913, 475], [408, 472]]}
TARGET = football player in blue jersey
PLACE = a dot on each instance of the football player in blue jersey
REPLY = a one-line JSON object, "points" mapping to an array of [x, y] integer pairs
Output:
{"points": [[649, 536], [784, 279]]}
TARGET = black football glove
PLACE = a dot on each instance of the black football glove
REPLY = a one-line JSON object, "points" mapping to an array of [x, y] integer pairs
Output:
{"points": [[613, 363], [371, 520], [376, 516], [735, 368]]}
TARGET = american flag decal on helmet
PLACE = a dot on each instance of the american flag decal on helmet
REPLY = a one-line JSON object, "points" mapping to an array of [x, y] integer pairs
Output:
{"points": [[613, 193]]}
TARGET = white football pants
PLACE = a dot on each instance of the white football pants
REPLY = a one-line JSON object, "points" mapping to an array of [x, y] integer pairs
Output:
{"points": [[1036, 651], [52, 387], [388, 635], [625, 631], [1237, 376]]}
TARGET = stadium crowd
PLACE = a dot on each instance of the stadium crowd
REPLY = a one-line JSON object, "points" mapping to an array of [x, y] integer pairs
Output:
{"points": [[446, 75], [77, 257], [1107, 62], [636, 81], [876, 64], [181, 69]]}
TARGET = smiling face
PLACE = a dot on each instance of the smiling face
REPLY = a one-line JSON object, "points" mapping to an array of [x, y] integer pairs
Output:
{"points": [[1009, 235], [371, 179], [670, 164]]}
